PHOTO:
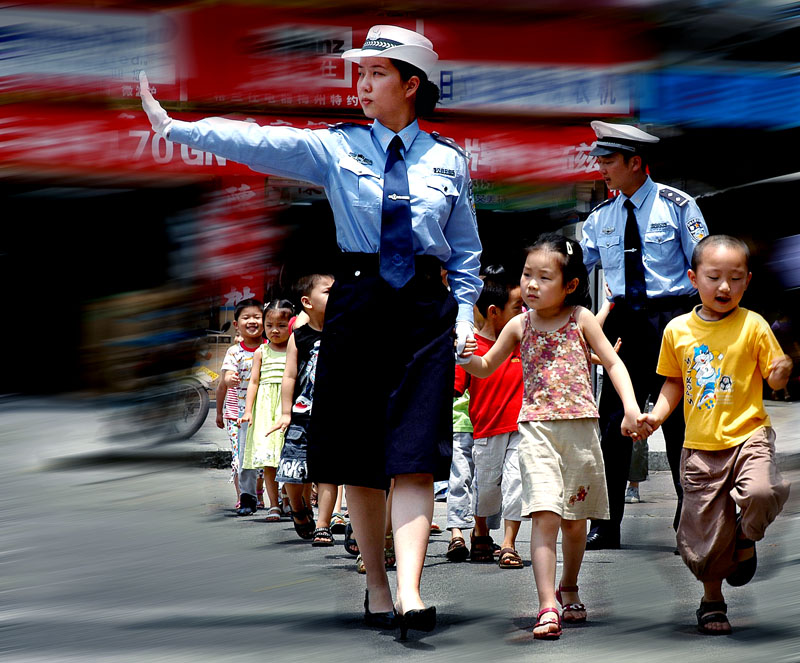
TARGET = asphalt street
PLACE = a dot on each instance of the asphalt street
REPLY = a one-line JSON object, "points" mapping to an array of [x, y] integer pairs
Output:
{"points": [[138, 557]]}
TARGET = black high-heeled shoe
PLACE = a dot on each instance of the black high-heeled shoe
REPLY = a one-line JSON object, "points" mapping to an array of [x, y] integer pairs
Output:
{"points": [[419, 620], [384, 620]]}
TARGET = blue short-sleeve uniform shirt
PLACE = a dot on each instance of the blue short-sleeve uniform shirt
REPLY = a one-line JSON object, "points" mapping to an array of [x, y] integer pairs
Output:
{"points": [[348, 161], [670, 225]]}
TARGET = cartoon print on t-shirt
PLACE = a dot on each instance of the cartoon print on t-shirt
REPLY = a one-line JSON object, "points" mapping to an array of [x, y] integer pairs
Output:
{"points": [[306, 396], [705, 377]]}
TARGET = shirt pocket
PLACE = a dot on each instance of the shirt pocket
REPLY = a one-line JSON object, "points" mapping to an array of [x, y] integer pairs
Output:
{"points": [[659, 244], [363, 188], [610, 250], [440, 195]]}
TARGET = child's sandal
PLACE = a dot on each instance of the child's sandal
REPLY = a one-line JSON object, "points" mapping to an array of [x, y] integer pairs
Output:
{"points": [[550, 635], [274, 514], [322, 537]]}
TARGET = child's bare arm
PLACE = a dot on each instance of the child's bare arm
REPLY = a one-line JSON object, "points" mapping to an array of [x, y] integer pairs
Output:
{"points": [[615, 370], [252, 388], [779, 372], [484, 366], [669, 398], [287, 388], [222, 392]]}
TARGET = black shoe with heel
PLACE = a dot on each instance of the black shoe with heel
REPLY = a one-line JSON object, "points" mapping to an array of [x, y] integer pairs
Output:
{"points": [[385, 620], [419, 620]]}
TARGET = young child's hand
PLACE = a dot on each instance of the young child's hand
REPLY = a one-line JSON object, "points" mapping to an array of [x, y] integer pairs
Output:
{"points": [[470, 347], [631, 427], [282, 424], [232, 379], [246, 418], [220, 420], [648, 421], [780, 369]]}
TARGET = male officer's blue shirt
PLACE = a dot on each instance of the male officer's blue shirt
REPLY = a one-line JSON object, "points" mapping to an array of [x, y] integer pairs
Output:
{"points": [[670, 224], [348, 161]]}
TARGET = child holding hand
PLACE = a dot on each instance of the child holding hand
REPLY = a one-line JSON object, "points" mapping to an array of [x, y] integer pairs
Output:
{"points": [[715, 359], [560, 461]]}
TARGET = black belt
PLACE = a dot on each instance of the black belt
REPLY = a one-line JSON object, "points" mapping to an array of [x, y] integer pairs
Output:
{"points": [[669, 303], [368, 264]]}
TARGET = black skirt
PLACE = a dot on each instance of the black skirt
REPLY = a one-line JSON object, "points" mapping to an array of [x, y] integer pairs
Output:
{"points": [[383, 392]]}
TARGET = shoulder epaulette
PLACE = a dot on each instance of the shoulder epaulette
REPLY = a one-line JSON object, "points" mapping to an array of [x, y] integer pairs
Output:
{"points": [[450, 143], [605, 202], [342, 125], [674, 196]]}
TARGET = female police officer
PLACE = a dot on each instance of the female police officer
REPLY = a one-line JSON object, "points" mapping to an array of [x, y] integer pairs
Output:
{"points": [[403, 209]]}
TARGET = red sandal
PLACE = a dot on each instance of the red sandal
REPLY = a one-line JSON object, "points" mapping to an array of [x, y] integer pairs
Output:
{"points": [[570, 607], [550, 635]]}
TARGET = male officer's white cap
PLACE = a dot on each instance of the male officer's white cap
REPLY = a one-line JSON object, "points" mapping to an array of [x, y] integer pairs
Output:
{"points": [[621, 138], [390, 41]]}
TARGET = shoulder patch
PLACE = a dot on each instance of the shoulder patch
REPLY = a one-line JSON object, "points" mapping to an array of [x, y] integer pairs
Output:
{"points": [[674, 196], [450, 143], [605, 202], [342, 125]]}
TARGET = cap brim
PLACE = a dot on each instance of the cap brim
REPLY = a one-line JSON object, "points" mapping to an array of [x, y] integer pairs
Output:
{"points": [[600, 151], [419, 56]]}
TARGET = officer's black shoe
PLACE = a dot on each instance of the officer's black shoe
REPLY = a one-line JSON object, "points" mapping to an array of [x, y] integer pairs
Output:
{"points": [[247, 505], [598, 541]]}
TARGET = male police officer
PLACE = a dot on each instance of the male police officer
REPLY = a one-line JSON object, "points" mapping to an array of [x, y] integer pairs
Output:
{"points": [[643, 238]]}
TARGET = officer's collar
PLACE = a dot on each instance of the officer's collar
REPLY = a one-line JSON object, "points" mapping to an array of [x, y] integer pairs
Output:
{"points": [[640, 195], [384, 135]]}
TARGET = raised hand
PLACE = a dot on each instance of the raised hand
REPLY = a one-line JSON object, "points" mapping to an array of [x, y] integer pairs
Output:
{"points": [[158, 117]]}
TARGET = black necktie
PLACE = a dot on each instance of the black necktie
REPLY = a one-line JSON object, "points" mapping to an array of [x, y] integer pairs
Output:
{"points": [[635, 290], [397, 242]]}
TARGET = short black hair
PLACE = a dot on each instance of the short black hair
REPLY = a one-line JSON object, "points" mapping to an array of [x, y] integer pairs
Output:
{"points": [[711, 241], [627, 156], [306, 284], [246, 303], [572, 267], [497, 284]]}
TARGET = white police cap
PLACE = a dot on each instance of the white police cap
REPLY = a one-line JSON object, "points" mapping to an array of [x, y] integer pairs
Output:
{"points": [[390, 41], [622, 138]]}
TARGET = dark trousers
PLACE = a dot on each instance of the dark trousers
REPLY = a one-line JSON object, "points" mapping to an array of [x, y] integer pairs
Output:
{"points": [[641, 333]]}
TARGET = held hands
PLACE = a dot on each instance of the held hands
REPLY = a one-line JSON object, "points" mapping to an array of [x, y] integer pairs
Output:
{"points": [[232, 380], [464, 335], [282, 424], [246, 418], [637, 426], [158, 117]]}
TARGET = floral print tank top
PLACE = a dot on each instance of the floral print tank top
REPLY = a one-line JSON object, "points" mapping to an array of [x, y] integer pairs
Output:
{"points": [[556, 373]]}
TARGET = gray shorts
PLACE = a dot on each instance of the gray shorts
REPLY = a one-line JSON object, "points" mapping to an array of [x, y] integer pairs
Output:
{"points": [[292, 467]]}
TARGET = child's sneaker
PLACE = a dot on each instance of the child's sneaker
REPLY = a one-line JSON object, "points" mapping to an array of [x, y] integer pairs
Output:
{"points": [[632, 495]]}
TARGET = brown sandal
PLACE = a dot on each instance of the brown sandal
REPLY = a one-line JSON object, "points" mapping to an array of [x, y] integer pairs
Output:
{"points": [[457, 550], [510, 559], [482, 548]]}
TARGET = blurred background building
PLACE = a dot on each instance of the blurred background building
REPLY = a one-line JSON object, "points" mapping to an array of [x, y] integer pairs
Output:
{"points": [[113, 235]]}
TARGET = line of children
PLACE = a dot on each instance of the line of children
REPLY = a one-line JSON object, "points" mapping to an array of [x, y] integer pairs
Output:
{"points": [[263, 402], [560, 460], [715, 360]]}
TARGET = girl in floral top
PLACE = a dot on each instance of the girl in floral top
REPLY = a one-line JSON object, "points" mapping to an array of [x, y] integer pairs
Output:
{"points": [[560, 461]]}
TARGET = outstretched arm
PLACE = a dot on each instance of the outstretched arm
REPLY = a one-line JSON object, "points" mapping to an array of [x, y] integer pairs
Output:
{"points": [[616, 371], [484, 366]]}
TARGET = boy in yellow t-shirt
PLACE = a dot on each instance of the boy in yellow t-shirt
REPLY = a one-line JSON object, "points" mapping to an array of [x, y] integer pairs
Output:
{"points": [[715, 359]]}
